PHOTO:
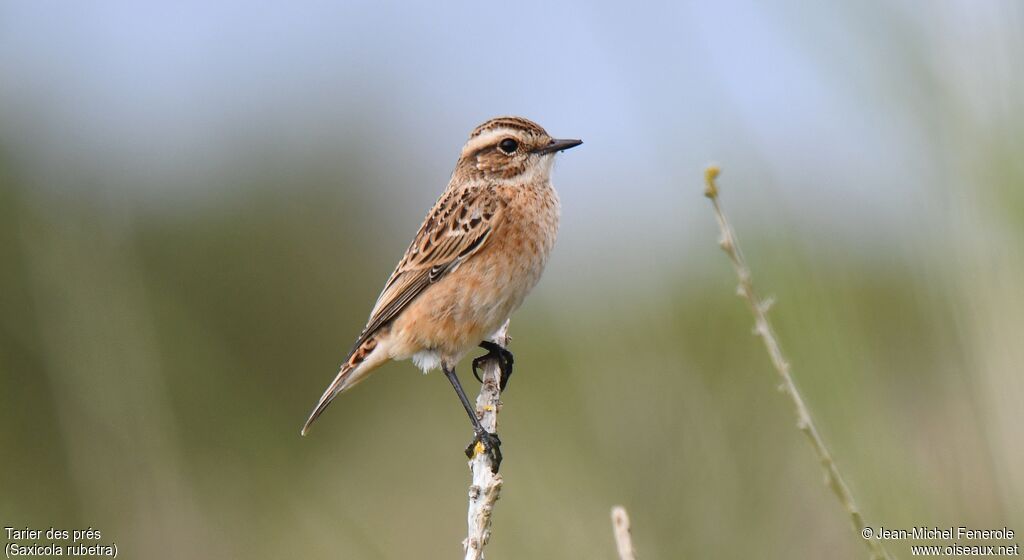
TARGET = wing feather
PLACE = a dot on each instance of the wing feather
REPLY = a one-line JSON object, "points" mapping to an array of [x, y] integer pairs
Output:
{"points": [[456, 228]]}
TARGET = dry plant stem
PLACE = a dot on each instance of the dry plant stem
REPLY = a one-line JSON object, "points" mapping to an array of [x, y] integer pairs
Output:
{"points": [[763, 328], [623, 538], [486, 486]]}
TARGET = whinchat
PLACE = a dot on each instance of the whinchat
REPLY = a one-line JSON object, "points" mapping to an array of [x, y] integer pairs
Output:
{"points": [[479, 252]]}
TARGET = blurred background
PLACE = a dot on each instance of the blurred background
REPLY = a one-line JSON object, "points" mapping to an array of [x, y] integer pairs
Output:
{"points": [[199, 202]]}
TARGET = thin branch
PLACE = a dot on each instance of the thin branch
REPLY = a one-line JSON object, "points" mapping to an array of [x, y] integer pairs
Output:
{"points": [[486, 485], [763, 328], [623, 538]]}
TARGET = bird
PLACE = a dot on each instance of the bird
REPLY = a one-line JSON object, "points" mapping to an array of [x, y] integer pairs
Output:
{"points": [[480, 250]]}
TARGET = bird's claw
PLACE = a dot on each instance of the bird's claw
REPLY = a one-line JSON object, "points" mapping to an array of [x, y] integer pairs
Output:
{"points": [[491, 444], [502, 355]]}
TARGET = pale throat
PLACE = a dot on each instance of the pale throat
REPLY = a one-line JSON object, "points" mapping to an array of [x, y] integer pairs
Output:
{"points": [[536, 174]]}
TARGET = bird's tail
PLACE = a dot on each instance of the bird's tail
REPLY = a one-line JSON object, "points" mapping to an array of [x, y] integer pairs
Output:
{"points": [[367, 357]]}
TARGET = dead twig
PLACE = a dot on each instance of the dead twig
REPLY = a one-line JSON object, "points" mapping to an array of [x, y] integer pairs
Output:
{"points": [[623, 538], [486, 486], [763, 328]]}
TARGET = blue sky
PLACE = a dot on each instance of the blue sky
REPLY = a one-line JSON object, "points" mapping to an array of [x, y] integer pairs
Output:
{"points": [[821, 114]]}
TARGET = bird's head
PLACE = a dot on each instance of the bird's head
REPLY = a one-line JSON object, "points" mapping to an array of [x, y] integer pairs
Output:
{"points": [[510, 149]]}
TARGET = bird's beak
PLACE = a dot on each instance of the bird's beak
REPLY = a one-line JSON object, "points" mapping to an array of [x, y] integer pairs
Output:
{"points": [[557, 146]]}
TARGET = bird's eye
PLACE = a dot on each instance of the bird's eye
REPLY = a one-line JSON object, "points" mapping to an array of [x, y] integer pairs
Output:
{"points": [[508, 145]]}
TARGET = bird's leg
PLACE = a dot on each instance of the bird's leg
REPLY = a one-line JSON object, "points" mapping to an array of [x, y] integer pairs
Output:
{"points": [[499, 353], [490, 441]]}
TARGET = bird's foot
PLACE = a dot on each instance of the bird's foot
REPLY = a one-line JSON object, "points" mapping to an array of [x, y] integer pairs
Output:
{"points": [[486, 442], [499, 353]]}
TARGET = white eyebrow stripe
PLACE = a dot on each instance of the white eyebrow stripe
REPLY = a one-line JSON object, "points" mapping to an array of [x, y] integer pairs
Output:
{"points": [[488, 138]]}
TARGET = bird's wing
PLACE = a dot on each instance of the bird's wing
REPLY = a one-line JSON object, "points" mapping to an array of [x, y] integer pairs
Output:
{"points": [[458, 226]]}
